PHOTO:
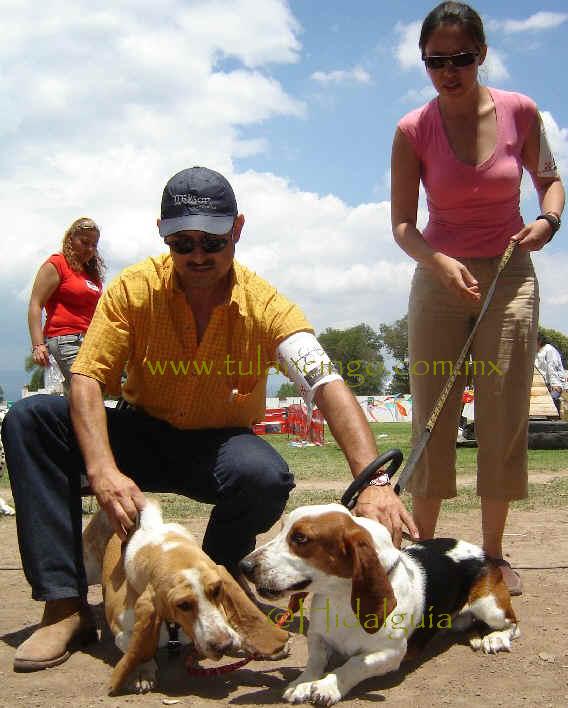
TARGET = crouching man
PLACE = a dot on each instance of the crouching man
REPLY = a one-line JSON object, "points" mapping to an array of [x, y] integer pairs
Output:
{"points": [[189, 326]]}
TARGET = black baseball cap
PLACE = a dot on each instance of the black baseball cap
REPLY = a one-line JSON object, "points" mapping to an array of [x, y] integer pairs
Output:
{"points": [[200, 199]]}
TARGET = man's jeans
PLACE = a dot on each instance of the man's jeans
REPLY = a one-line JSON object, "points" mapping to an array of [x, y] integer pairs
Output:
{"points": [[238, 472]]}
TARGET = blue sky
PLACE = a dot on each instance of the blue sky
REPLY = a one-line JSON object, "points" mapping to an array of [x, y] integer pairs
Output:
{"points": [[296, 102]]}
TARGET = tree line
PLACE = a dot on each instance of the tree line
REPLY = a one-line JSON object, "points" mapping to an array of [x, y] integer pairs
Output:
{"points": [[367, 347], [358, 355]]}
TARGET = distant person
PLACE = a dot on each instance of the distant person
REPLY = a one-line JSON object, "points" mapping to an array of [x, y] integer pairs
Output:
{"points": [[68, 286], [549, 362], [469, 146]]}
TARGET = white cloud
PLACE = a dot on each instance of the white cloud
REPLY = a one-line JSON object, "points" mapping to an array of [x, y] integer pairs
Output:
{"points": [[356, 75], [551, 266], [537, 22], [107, 106], [494, 66], [406, 51], [339, 262], [254, 31], [102, 107]]}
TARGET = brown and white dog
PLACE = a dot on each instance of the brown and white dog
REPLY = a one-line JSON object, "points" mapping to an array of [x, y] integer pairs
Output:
{"points": [[161, 575], [373, 604]]}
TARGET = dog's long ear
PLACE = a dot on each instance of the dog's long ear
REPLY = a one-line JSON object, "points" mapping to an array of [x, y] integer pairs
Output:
{"points": [[95, 539], [143, 641], [371, 592], [259, 635]]}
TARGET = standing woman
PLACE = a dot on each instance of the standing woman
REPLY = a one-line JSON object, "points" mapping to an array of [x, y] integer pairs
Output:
{"points": [[469, 146], [68, 285]]}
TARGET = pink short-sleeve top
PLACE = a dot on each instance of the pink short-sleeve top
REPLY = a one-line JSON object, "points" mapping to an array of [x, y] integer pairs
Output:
{"points": [[473, 209]]}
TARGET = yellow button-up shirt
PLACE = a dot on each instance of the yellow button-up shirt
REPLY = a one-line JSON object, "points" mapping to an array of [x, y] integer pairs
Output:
{"points": [[143, 323]]}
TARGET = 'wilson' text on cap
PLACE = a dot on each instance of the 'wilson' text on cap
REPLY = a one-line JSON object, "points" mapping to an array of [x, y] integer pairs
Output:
{"points": [[192, 200]]}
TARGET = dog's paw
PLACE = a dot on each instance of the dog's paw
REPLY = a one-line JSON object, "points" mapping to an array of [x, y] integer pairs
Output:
{"points": [[496, 641], [145, 677], [298, 692], [325, 691], [499, 640], [475, 641]]}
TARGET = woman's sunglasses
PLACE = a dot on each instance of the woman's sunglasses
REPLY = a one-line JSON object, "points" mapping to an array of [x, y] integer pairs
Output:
{"points": [[459, 61], [210, 243]]}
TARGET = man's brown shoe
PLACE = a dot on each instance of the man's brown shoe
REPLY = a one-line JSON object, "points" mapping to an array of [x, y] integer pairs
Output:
{"points": [[64, 623]]}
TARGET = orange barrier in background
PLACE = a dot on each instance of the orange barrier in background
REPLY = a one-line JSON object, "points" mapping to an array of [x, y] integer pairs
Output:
{"points": [[275, 421], [298, 424], [293, 420]]}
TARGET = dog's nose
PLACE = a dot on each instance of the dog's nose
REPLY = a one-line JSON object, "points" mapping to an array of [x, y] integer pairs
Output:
{"points": [[221, 647], [247, 567]]}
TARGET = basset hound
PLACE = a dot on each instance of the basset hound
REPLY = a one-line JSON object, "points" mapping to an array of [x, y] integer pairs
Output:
{"points": [[161, 575], [374, 604]]}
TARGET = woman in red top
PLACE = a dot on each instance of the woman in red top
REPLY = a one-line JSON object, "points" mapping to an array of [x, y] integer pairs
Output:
{"points": [[68, 285]]}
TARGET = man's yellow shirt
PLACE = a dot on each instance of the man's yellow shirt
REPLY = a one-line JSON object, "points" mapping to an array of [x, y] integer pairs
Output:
{"points": [[143, 325]]}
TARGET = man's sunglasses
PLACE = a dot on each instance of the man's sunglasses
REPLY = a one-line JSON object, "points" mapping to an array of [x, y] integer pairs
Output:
{"points": [[210, 243], [459, 61]]}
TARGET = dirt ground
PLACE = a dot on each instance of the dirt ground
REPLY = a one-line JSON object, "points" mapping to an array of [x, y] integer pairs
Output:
{"points": [[534, 674]]}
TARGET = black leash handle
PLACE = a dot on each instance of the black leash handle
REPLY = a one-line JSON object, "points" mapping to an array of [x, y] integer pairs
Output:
{"points": [[350, 495]]}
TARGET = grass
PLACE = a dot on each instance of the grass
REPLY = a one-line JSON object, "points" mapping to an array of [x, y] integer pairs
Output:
{"points": [[552, 494], [328, 463], [547, 495]]}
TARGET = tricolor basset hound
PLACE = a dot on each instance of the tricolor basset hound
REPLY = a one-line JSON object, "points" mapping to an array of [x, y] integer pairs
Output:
{"points": [[161, 575], [373, 603]]}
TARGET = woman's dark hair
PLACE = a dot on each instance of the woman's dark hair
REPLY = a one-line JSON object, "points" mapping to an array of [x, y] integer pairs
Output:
{"points": [[454, 13]]}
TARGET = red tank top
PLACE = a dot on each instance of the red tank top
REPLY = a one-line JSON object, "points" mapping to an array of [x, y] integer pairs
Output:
{"points": [[71, 307]]}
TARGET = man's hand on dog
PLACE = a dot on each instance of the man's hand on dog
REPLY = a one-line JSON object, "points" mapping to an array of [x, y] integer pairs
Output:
{"points": [[384, 506], [120, 497]]}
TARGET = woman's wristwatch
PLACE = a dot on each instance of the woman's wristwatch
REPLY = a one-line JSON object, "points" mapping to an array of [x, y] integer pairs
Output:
{"points": [[35, 346], [553, 220]]}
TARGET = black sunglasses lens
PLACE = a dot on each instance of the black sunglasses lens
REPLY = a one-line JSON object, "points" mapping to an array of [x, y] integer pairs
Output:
{"points": [[210, 244], [182, 246], [464, 59], [458, 60], [213, 244], [434, 63]]}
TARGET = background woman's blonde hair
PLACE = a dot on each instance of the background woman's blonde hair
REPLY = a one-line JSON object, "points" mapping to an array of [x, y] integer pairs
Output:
{"points": [[95, 268]]}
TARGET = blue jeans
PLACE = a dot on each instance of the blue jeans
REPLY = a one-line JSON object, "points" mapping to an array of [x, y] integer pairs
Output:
{"points": [[238, 472], [65, 348]]}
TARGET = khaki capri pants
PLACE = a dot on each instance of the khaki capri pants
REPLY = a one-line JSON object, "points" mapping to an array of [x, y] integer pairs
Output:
{"points": [[502, 353]]}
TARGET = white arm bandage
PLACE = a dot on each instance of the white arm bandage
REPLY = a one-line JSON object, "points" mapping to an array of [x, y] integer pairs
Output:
{"points": [[303, 360], [546, 162]]}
